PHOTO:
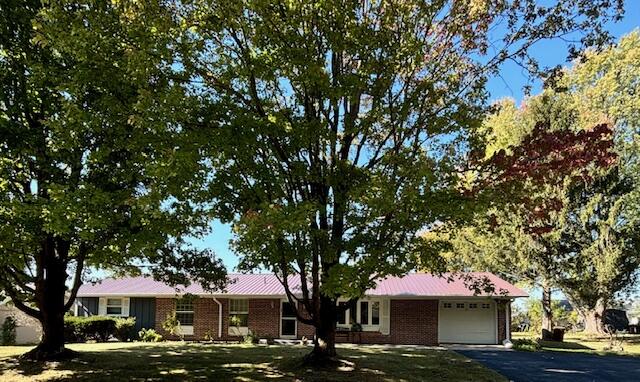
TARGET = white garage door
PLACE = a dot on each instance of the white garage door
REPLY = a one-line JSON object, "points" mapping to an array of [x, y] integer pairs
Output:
{"points": [[467, 322]]}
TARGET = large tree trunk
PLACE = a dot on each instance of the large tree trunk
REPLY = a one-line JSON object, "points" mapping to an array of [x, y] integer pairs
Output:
{"points": [[324, 345], [594, 318], [50, 299], [547, 314]]}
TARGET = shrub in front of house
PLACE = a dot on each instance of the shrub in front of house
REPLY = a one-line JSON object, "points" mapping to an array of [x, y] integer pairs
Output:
{"points": [[8, 334], [149, 335], [97, 328], [526, 344], [124, 328]]}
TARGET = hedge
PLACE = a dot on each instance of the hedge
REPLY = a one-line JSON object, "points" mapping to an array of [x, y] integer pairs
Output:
{"points": [[98, 328]]}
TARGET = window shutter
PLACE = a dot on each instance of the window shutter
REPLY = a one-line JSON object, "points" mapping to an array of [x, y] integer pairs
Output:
{"points": [[125, 307], [102, 306], [385, 327]]}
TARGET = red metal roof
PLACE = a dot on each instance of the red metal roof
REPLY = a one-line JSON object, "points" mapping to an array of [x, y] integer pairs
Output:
{"points": [[411, 285]]}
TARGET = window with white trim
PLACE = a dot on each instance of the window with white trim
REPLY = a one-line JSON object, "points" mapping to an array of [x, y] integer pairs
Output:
{"points": [[473, 305], [460, 305], [114, 306], [486, 306], [375, 313], [239, 312], [184, 311], [366, 313], [447, 305]]}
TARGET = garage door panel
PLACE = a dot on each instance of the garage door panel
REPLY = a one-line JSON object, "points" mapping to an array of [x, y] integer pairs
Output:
{"points": [[467, 322]]}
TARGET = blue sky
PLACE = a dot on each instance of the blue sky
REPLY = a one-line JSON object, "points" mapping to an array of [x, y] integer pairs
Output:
{"points": [[510, 83]]}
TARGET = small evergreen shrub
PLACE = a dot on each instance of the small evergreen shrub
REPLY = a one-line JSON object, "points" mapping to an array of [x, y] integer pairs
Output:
{"points": [[81, 329], [9, 331], [149, 335], [124, 328]]}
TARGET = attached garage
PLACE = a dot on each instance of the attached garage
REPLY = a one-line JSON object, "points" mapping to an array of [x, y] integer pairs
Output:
{"points": [[467, 322]]}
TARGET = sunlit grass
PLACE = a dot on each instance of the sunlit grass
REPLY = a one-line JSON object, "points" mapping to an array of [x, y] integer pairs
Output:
{"points": [[579, 342], [175, 361]]}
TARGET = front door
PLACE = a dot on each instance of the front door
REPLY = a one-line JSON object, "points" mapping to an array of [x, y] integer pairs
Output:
{"points": [[288, 321]]}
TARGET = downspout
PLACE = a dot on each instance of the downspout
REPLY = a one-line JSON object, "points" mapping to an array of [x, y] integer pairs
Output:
{"points": [[507, 329], [219, 317], [507, 322]]}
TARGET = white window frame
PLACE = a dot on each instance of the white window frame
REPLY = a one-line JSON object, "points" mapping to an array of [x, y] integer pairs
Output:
{"points": [[186, 330], [121, 306], [368, 327], [238, 330]]}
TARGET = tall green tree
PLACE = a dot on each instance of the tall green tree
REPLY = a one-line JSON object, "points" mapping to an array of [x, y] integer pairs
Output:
{"points": [[599, 246], [93, 156], [586, 246], [344, 123]]}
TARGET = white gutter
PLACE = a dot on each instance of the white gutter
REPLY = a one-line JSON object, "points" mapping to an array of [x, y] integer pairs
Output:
{"points": [[507, 313], [219, 317]]}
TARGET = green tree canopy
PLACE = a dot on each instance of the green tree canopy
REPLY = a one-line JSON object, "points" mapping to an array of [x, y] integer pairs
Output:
{"points": [[345, 123], [584, 228], [94, 159]]}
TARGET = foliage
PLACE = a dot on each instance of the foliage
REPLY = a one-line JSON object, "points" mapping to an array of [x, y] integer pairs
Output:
{"points": [[252, 337], [95, 165], [81, 329], [235, 320], [579, 234], [172, 325], [344, 125], [149, 335], [526, 344], [561, 316], [124, 328], [8, 334]]}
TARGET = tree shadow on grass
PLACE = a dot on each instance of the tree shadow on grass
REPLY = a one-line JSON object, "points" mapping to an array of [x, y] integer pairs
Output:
{"points": [[190, 362], [564, 345]]}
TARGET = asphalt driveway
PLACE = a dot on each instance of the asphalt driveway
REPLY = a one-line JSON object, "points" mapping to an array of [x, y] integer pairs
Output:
{"points": [[557, 366]]}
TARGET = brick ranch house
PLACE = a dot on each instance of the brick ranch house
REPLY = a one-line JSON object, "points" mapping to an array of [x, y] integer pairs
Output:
{"points": [[419, 308]]}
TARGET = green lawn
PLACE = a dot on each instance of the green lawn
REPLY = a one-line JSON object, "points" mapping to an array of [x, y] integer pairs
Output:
{"points": [[175, 361], [578, 342]]}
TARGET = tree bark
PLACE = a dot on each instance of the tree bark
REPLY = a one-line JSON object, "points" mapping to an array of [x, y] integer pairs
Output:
{"points": [[324, 344], [547, 313], [594, 318], [50, 299]]}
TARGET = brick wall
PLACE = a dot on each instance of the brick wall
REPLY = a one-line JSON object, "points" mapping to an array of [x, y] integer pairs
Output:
{"points": [[305, 330], [264, 317], [414, 322], [164, 307], [205, 319], [411, 321], [502, 314]]}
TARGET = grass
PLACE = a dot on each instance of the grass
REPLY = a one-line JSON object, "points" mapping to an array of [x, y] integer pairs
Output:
{"points": [[578, 342], [176, 361]]}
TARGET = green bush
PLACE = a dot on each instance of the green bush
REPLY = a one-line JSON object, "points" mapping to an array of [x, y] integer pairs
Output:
{"points": [[149, 335], [81, 329], [526, 344], [172, 325], [251, 338], [9, 331], [124, 328]]}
